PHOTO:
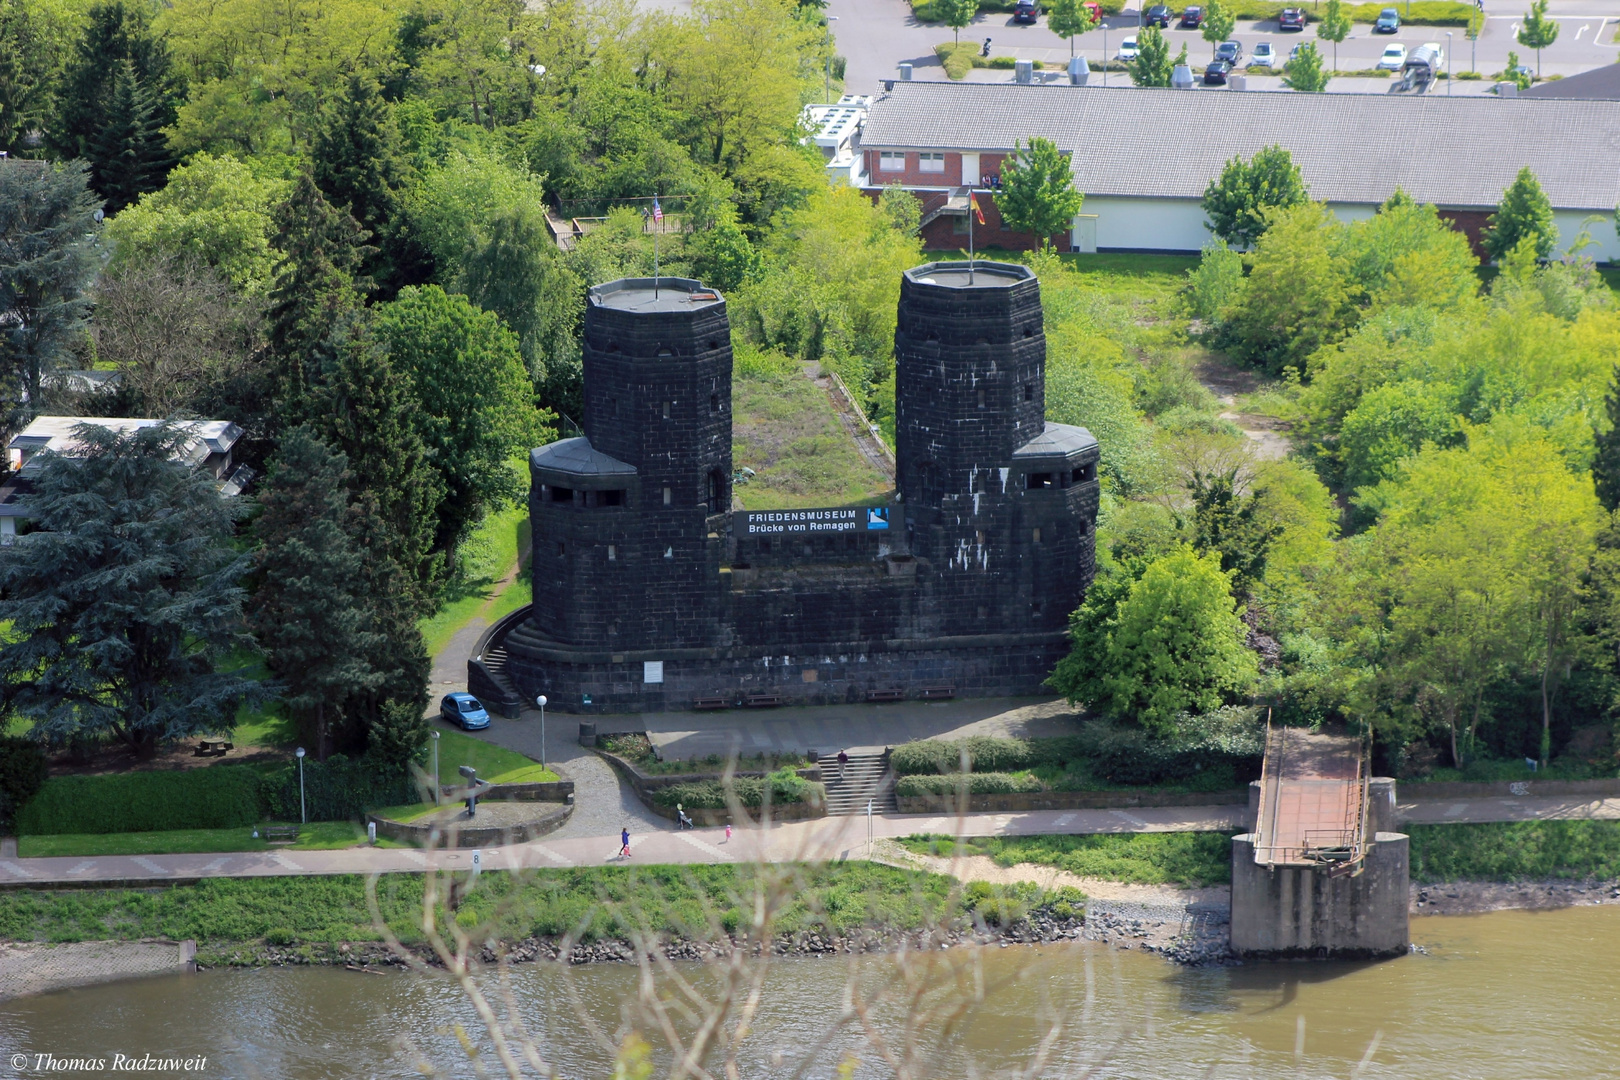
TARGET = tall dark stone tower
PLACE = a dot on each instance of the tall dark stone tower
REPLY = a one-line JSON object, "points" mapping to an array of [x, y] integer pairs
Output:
{"points": [[629, 519], [997, 501]]}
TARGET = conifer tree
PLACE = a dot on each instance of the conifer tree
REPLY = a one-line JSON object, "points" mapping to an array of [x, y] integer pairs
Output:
{"points": [[1525, 212], [369, 414], [1606, 459], [310, 614], [315, 296], [129, 156]]}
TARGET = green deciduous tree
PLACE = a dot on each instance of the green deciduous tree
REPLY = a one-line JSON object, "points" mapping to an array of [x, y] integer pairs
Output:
{"points": [[1390, 424], [1304, 72], [1606, 459], [129, 155], [1219, 22], [1214, 284], [309, 612], [1537, 31], [47, 262], [1037, 193], [1406, 254], [475, 398], [957, 14], [1524, 212], [212, 209], [1068, 18], [1299, 294], [124, 604], [1335, 27], [1173, 643], [1232, 525], [1238, 199], [1153, 66]]}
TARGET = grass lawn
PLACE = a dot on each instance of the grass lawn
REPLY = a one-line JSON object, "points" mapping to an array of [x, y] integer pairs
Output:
{"points": [[1187, 859], [316, 836], [1515, 851], [785, 429], [494, 763], [487, 557]]}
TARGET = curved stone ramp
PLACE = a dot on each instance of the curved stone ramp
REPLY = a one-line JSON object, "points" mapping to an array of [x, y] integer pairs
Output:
{"points": [[37, 968]]}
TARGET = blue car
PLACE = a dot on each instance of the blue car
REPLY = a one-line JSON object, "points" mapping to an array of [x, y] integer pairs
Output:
{"points": [[463, 710], [1389, 21]]}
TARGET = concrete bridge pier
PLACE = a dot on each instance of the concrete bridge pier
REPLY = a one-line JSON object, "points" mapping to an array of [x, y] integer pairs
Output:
{"points": [[1280, 912]]}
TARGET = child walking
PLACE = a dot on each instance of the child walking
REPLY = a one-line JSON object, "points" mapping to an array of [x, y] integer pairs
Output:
{"points": [[624, 842]]}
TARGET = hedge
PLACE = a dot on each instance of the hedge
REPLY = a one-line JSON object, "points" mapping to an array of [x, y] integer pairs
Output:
{"points": [[215, 797], [979, 783], [787, 786]]}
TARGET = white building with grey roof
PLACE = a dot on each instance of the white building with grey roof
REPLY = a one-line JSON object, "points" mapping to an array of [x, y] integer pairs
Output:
{"points": [[1143, 157]]}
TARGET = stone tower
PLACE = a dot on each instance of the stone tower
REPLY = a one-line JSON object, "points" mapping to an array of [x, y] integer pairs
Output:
{"points": [[629, 518], [999, 502]]}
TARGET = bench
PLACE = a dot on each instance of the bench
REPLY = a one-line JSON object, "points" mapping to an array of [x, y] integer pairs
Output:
{"points": [[280, 834], [712, 703], [885, 695], [764, 701], [937, 693], [212, 748]]}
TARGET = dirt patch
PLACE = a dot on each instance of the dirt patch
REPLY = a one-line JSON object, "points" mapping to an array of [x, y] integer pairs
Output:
{"points": [[1476, 897], [1227, 383], [119, 759]]}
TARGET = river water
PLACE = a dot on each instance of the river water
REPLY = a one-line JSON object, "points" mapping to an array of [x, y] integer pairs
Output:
{"points": [[1504, 996]]}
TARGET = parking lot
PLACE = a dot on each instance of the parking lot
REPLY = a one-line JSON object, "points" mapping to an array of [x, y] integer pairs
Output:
{"points": [[875, 36]]}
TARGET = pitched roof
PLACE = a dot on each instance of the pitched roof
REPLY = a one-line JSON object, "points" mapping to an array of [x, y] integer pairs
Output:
{"points": [[577, 457], [1353, 148], [1599, 84]]}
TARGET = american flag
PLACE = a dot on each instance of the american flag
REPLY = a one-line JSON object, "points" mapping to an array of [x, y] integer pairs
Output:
{"points": [[658, 211]]}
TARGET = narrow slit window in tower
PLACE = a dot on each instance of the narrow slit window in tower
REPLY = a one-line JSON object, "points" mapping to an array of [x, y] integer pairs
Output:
{"points": [[669, 496]]}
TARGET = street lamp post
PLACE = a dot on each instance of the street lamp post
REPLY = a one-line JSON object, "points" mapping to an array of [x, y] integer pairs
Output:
{"points": [[436, 796], [541, 701], [303, 810], [1105, 52], [1449, 79]]}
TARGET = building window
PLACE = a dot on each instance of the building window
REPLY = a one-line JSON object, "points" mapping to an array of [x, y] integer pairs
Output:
{"points": [[669, 497], [717, 492], [1037, 536], [714, 403], [888, 162], [562, 494], [931, 163], [1029, 391], [666, 410], [1083, 528], [613, 553], [562, 549], [614, 497], [1038, 481], [959, 225], [981, 397]]}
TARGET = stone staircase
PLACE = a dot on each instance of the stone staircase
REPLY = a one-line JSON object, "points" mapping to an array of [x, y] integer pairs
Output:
{"points": [[866, 777]]}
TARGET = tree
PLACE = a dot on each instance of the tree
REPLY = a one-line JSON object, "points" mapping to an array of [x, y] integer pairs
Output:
{"points": [[1390, 424], [1067, 18], [370, 414], [309, 609], [47, 262], [517, 272], [1298, 296], [1335, 27], [1537, 31], [1304, 72], [355, 162], [1407, 254], [89, 97], [1152, 66], [1606, 456], [1219, 23], [213, 209], [1524, 212], [1233, 526], [1513, 74], [181, 338], [959, 13], [33, 42], [124, 605], [1238, 199], [129, 155], [316, 292], [1173, 644], [1037, 190], [474, 395]]}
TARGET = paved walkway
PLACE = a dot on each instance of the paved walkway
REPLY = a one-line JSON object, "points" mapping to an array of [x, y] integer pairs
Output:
{"points": [[822, 840]]}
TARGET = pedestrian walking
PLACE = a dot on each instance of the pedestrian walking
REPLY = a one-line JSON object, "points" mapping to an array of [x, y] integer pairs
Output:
{"points": [[728, 832], [624, 843], [682, 821], [843, 760]]}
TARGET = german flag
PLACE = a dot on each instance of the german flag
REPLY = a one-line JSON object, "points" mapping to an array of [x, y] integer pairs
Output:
{"points": [[973, 204]]}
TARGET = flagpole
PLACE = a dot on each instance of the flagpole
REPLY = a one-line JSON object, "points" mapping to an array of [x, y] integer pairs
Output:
{"points": [[970, 235], [655, 246]]}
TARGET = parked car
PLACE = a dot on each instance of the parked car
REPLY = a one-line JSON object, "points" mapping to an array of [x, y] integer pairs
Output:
{"points": [[1263, 56], [1216, 73], [1389, 21], [1291, 19], [1230, 51], [1096, 11], [1026, 11], [1127, 49], [1522, 73], [1293, 54], [463, 710], [1426, 61], [1394, 57], [1158, 15], [1192, 18]]}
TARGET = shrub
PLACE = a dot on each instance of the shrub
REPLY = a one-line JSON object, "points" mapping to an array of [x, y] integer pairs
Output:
{"points": [[1229, 738], [945, 756], [336, 789], [786, 787], [218, 797], [22, 774], [976, 783]]}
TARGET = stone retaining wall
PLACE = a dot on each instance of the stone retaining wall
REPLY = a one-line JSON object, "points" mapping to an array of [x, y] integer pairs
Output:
{"points": [[1068, 800], [474, 836], [549, 791], [644, 785], [1448, 790], [35, 968]]}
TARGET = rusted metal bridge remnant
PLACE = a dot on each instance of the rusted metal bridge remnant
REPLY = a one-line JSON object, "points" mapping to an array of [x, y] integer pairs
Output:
{"points": [[1313, 802]]}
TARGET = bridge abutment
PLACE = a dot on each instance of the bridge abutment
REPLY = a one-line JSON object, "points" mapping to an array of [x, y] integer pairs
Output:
{"points": [[1299, 911]]}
